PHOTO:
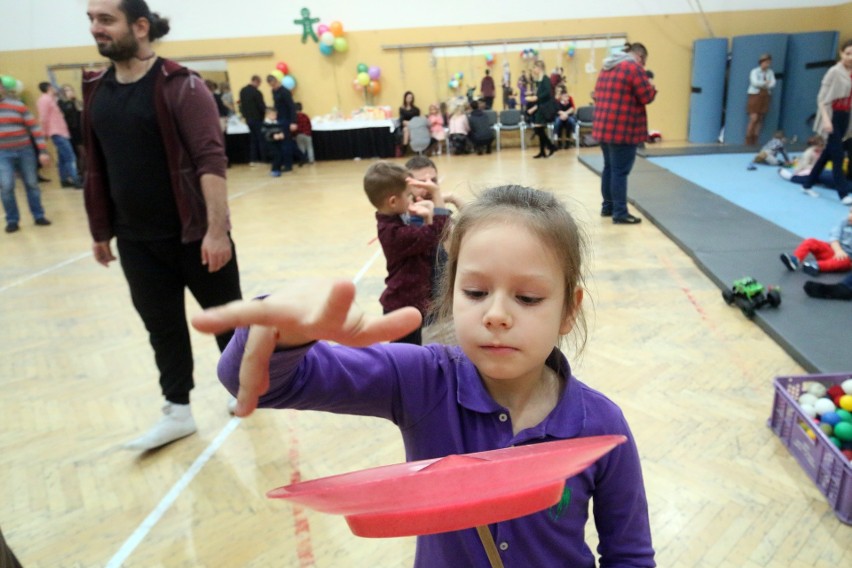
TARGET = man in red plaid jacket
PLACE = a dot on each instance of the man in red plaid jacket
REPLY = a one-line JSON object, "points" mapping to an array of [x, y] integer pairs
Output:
{"points": [[620, 124]]}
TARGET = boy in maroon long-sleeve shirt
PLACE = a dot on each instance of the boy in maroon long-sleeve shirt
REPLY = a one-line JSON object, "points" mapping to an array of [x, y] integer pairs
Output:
{"points": [[409, 233]]}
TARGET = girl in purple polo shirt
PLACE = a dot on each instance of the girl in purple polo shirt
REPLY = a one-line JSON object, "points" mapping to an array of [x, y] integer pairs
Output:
{"points": [[513, 287]]}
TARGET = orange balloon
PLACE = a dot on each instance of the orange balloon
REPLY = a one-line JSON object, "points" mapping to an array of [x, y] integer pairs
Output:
{"points": [[375, 87], [336, 28]]}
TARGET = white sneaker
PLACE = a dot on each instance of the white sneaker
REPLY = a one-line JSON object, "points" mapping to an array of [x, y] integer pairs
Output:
{"points": [[232, 406], [810, 192], [847, 200], [176, 423], [785, 173]]}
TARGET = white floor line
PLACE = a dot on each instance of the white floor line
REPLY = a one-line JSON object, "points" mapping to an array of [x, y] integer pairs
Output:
{"points": [[45, 271], [154, 517], [168, 500]]}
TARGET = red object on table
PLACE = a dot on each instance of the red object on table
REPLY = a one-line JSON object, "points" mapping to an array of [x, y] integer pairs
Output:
{"points": [[451, 493]]}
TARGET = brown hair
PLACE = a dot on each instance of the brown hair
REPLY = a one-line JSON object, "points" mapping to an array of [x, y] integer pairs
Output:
{"points": [[383, 180], [541, 213], [419, 162], [637, 48]]}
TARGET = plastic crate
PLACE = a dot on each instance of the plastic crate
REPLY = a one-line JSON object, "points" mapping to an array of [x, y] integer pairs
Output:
{"points": [[821, 460]]}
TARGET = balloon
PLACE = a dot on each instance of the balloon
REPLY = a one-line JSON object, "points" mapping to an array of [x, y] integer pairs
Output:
{"points": [[327, 38], [459, 75], [289, 82], [364, 79], [326, 49], [489, 57], [336, 28], [19, 87], [321, 29], [278, 74], [282, 67], [8, 82], [357, 86], [374, 72], [340, 44], [362, 68], [375, 87], [453, 84]]}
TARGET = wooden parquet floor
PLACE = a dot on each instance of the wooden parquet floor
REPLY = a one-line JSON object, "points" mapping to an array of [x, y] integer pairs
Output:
{"points": [[78, 379]]}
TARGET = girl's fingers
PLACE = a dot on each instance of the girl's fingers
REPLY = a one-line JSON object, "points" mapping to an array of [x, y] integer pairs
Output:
{"points": [[254, 369]]}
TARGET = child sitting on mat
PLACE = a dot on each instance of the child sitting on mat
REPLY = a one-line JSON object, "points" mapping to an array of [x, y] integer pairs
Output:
{"points": [[802, 166], [514, 289], [773, 152], [831, 256]]}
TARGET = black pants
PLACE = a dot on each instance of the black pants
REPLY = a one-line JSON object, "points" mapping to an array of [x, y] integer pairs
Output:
{"points": [[544, 141], [158, 273], [833, 152], [256, 142]]}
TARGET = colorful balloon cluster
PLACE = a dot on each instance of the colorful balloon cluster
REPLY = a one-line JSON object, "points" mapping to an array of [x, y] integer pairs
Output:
{"points": [[529, 53], [14, 86], [367, 79], [331, 39], [570, 50], [489, 59], [455, 82], [281, 73]]}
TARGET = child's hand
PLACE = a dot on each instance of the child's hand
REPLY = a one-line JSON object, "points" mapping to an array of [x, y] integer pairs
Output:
{"points": [[425, 209], [426, 190], [302, 312], [454, 199], [278, 136]]}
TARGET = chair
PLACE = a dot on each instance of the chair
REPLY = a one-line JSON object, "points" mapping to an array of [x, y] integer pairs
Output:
{"points": [[585, 116], [511, 120], [492, 117], [419, 136]]}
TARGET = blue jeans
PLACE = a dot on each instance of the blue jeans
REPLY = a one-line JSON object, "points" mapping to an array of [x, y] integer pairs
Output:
{"points": [[67, 160], [23, 160], [618, 161], [567, 125], [256, 141]]}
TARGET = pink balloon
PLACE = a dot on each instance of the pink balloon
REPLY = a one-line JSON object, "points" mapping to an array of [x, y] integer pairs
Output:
{"points": [[321, 29]]}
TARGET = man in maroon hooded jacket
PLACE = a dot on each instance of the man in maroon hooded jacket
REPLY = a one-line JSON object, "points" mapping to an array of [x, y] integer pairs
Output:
{"points": [[156, 182]]}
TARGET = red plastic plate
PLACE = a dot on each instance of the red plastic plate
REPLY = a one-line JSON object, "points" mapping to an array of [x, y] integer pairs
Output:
{"points": [[450, 493]]}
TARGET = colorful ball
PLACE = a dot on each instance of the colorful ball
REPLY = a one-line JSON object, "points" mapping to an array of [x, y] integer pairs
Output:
{"points": [[340, 44], [824, 405], [843, 431], [835, 441], [845, 415], [846, 402], [846, 386], [809, 410], [827, 428], [830, 418], [816, 389], [807, 398]]}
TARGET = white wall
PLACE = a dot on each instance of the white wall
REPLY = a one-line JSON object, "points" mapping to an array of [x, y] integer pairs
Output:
{"points": [[38, 24]]}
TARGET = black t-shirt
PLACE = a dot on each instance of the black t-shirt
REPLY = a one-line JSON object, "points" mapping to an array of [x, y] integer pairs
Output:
{"points": [[126, 128]]}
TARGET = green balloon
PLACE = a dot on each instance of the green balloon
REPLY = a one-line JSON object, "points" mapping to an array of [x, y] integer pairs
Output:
{"points": [[362, 68], [9, 82]]}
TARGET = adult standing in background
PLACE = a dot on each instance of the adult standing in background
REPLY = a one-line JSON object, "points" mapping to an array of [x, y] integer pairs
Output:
{"points": [[622, 90], [253, 109], [54, 127], [156, 182], [761, 80], [19, 133], [834, 104], [542, 103], [406, 112], [285, 108], [507, 84], [487, 89], [72, 110]]}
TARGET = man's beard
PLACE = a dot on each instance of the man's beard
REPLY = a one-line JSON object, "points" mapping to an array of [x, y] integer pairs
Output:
{"points": [[120, 50]]}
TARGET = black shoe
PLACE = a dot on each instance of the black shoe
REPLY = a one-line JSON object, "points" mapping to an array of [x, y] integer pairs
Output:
{"points": [[539, 155], [12, 228], [65, 183], [606, 212], [828, 291], [290, 169], [43, 222], [551, 151], [627, 220], [43, 180]]}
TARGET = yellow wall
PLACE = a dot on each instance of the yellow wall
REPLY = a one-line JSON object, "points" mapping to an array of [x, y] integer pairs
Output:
{"points": [[325, 83]]}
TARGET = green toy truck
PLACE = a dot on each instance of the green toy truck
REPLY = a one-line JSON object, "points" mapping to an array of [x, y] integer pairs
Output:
{"points": [[749, 295]]}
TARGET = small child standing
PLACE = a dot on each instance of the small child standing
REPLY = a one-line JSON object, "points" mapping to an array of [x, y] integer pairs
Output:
{"points": [[409, 247], [304, 136], [274, 136], [436, 128], [514, 290], [832, 256], [773, 152]]}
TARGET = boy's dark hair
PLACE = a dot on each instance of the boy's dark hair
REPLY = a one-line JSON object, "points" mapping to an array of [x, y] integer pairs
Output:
{"points": [[299, 107], [474, 105], [135, 9], [636, 48], [419, 162], [43, 86], [383, 180]]}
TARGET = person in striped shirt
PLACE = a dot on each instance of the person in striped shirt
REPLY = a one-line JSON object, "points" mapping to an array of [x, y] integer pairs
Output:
{"points": [[17, 125]]}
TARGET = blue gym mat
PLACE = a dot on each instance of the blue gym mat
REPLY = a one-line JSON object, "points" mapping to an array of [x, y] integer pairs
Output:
{"points": [[733, 223], [761, 191]]}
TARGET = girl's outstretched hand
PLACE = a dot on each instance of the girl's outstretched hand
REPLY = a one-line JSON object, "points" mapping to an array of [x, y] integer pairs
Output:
{"points": [[300, 313]]}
